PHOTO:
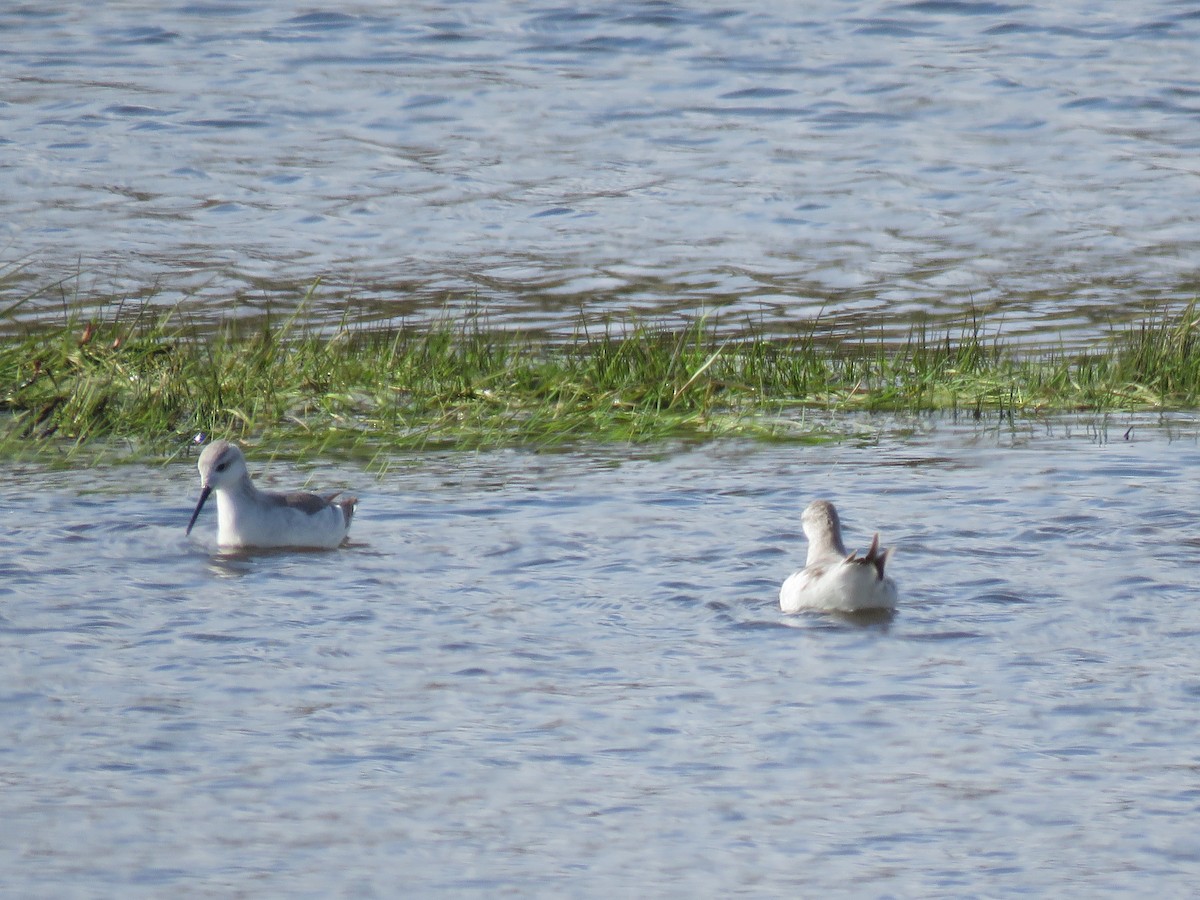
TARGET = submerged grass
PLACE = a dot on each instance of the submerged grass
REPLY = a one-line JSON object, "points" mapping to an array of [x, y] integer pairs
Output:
{"points": [[141, 382]]}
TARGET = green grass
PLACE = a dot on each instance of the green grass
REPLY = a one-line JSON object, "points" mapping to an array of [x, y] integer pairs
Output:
{"points": [[136, 382]]}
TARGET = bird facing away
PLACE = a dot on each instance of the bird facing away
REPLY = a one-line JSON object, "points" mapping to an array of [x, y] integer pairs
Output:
{"points": [[832, 579], [250, 518]]}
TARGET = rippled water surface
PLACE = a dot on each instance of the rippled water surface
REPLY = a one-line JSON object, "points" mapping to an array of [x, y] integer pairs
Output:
{"points": [[567, 674], [873, 160]]}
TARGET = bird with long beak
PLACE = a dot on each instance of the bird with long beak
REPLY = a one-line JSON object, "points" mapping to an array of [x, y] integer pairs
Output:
{"points": [[250, 518]]}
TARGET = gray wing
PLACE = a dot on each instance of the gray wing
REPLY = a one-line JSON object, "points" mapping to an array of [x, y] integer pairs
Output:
{"points": [[876, 557], [309, 503], [347, 507]]}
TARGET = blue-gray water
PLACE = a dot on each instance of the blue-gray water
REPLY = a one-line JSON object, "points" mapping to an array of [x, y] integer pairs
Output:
{"points": [[877, 161], [566, 675]]}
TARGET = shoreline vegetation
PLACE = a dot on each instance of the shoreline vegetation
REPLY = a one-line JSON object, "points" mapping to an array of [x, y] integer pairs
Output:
{"points": [[144, 383]]}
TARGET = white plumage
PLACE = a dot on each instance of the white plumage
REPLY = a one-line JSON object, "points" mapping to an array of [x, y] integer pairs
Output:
{"points": [[248, 517], [832, 579]]}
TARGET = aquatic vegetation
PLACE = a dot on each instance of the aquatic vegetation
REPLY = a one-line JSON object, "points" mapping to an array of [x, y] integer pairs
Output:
{"points": [[143, 382]]}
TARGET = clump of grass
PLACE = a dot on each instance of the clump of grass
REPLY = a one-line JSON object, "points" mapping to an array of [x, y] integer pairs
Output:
{"points": [[155, 383]]}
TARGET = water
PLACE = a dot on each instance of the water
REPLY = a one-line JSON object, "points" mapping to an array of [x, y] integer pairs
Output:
{"points": [[566, 675], [871, 161]]}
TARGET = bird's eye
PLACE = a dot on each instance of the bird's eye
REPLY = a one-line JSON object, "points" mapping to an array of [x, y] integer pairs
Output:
{"points": [[222, 467]]}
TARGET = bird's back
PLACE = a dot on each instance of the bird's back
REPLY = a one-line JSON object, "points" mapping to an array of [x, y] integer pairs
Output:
{"points": [[297, 519], [849, 584]]}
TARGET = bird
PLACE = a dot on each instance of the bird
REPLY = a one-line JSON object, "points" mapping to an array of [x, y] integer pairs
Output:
{"points": [[832, 579], [249, 518]]}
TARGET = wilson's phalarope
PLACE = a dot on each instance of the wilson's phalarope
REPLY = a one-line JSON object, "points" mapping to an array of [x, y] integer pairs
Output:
{"points": [[832, 579], [248, 517]]}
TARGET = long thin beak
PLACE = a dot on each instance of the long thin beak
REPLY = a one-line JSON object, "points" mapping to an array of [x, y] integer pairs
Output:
{"points": [[204, 492]]}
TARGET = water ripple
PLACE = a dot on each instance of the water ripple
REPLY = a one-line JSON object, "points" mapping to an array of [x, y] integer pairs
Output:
{"points": [[887, 161]]}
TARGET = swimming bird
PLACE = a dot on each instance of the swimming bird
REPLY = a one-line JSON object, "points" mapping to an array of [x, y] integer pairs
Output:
{"points": [[831, 578], [248, 517]]}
